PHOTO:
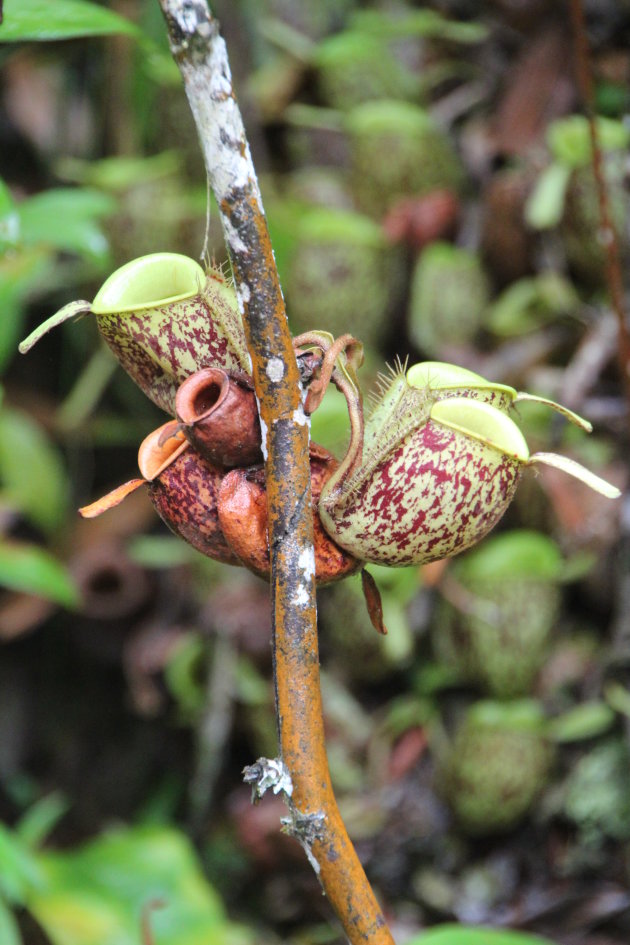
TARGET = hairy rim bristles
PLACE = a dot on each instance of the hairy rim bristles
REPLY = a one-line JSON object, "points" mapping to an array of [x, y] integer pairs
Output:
{"points": [[384, 379]]}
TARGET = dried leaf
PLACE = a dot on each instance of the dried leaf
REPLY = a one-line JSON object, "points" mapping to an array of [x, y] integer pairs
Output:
{"points": [[373, 601]]}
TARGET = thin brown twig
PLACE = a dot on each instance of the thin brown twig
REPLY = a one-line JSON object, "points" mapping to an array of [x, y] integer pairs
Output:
{"points": [[314, 817], [608, 233]]}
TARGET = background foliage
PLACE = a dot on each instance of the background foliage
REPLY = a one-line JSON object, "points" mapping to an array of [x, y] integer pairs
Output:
{"points": [[427, 176]]}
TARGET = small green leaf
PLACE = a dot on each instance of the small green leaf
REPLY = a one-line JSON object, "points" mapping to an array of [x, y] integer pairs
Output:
{"points": [[463, 935], [529, 303], [40, 20], [407, 711], [398, 642], [21, 274], [182, 674], [161, 551], [578, 566], [519, 715], [19, 871], [617, 697], [569, 139], [329, 423], [596, 794], [418, 23], [6, 200], [32, 476], [66, 219], [32, 570], [9, 931], [9, 222], [545, 204], [251, 687], [117, 174], [38, 821], [587, 720], [432, 678]]}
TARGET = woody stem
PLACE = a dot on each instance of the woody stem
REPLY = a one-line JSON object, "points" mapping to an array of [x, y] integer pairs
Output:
{"points": [[202, 58]]}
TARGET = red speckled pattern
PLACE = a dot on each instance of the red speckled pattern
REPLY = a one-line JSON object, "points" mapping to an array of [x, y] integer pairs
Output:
{"points": [[185, 498], [489, 395], [243, 518], [160, 347], [436, 494]]}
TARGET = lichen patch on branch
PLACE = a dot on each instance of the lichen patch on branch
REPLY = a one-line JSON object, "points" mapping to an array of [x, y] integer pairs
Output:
{"points": [[275, 369], [300, 417], [306, 563]]}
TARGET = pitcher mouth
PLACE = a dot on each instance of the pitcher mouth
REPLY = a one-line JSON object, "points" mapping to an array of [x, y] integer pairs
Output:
{"points": [[156, 280], [480, 421], [201, 394]]}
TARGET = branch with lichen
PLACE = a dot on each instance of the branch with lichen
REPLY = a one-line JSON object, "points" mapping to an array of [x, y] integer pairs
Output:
{"points": [[314, 818]]}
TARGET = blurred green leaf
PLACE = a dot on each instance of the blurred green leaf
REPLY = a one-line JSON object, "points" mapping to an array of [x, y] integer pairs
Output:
{"points": [[611, 98], [99, 893], [6, 200], [531, 302], [251, 687], [116, 174], [518, 715], [407, 711], [596, 794], [39, 20], [424, 22], [9, 222], [283, 218], [21, 275], [163, 802], [545, 204], [33, 570], [38, 821], [398, 641], [32, 476], [569, 139], [521, 553], [432, 678], [462, 935], [19, 871], [161, 551], [617, 697], [401, 582], [329, 424], [578, 566], [66, 219], [587, 720], [182, 674], [9, 932]]}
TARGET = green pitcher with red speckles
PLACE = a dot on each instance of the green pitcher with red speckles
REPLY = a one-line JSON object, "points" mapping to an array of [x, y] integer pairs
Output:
{"points": [[164, 318], [435, 469]]}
